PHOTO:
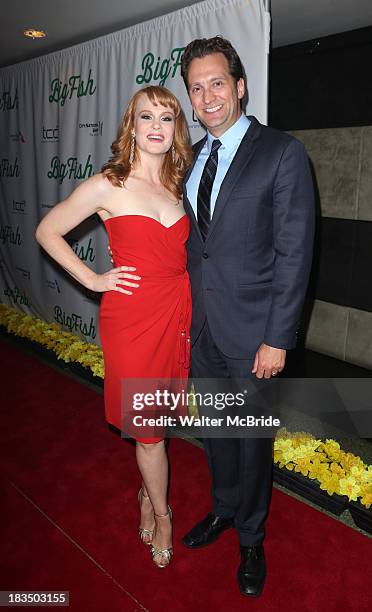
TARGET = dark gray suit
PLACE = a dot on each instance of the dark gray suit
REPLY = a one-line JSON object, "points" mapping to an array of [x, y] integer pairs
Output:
{"points": [[249, 280]]}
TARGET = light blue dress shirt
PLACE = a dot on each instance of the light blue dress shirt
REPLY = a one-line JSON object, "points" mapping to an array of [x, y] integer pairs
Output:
{"points": [[230, 140]]}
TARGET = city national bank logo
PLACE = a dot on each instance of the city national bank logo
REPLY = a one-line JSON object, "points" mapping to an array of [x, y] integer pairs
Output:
{"points": [[9, 235], [8, 168], [53, 285], [74, 87], [26, 274], [19, 207], [85, 253], [17, 137], [16, 295], [50, 134], [74, 322], [95, 128], [8, 102], [159, 69], [71, 169]]}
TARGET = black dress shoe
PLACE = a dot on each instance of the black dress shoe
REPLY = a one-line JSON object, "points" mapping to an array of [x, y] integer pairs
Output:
{"points": [[252, 570], [207, 531]]}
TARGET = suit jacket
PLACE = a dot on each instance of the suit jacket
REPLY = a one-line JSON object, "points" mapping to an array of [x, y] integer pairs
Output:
{"points": [[250, 276]]}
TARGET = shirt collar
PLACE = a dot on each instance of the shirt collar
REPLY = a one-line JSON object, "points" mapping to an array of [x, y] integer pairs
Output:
{"points": [[232, 136]]}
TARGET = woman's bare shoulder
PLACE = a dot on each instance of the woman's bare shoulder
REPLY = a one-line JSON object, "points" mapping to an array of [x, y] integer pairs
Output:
{"points": [[101, 183]]}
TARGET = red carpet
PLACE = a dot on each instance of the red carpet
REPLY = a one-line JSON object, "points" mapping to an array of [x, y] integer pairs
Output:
{"points": [[69, 517]]}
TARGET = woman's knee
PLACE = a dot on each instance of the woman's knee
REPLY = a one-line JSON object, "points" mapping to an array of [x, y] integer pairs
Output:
{"points": [[151, 447]]}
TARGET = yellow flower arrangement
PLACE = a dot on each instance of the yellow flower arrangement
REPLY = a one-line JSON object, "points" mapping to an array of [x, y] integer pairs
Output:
{"points": [[336, 470], [64, 344]]}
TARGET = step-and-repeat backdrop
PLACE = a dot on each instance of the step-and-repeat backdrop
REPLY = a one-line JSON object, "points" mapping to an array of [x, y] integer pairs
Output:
{"points": [[58, 117]]}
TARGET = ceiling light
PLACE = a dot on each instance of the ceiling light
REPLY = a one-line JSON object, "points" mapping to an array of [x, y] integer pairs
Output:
{"points": [[32, 33]]}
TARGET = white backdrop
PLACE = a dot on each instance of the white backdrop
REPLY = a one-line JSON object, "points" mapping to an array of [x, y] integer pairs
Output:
{"points": [[58, 116]]}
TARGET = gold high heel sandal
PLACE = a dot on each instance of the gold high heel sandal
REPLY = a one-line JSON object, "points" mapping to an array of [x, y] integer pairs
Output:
{"points": [[144, 533], [162, 552]]}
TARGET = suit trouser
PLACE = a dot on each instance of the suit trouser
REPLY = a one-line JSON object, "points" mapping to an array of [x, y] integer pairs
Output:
{"points": [[241, 468]]}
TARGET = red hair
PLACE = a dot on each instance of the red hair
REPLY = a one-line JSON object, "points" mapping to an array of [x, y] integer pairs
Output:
{"points": [[174, 166]]}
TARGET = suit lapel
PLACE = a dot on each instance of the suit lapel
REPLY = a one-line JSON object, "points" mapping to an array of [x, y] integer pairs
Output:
{"points": [[239, 163]]}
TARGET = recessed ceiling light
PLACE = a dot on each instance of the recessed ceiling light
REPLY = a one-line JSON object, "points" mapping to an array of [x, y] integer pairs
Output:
{"points": [[31, 33]]}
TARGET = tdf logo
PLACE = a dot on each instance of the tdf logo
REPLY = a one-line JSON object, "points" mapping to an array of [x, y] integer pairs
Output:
{"points": [[75, 86], [50, 134], [159, 69]]}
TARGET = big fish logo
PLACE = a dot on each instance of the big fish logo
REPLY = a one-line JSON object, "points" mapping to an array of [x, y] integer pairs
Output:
{"points": [[75, 86], [74, 322], [158, 69], [16, 295], [71, 169], [9, 235], [9, 169], [7, 101], [85, 253]]}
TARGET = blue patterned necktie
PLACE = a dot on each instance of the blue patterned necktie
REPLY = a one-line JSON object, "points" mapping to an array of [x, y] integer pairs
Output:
{"points": [[205, 189]]}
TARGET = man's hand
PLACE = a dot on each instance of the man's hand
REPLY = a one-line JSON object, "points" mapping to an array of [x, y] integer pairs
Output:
{"points": [[269, 361]]}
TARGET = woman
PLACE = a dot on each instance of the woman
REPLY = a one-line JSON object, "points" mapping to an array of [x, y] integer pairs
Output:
{"points": [[145, 311]]}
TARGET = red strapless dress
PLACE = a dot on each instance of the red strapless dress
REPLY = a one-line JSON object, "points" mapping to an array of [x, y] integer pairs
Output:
{"points": [[146, 335]]}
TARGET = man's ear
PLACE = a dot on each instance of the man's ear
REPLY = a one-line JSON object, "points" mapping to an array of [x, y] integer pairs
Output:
{"points": [[240, 86]]}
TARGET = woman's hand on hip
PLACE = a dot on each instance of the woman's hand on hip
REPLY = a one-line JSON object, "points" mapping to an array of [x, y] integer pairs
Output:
{"points": [[118, 279]]}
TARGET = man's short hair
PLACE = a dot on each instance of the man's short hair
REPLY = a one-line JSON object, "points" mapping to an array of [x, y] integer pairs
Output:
{"points": [[201, 47]]}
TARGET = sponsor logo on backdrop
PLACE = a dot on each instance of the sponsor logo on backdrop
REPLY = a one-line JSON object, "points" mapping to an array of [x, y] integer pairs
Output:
{"points": [[53, 284], [70, 169], [74, 322], [85, 253], [8, 101], [8, 168], [16, 295], [155, 68], [24, 273], [19, 207], [9, 235], [95, 128], [17, 137], [50, 134], [75, 86]]}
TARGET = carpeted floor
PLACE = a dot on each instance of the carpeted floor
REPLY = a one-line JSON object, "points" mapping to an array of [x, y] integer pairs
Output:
{"points": [[69, 517]]}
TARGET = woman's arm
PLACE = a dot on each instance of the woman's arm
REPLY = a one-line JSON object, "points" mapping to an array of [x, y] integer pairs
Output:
{"points": [[87, 199]]}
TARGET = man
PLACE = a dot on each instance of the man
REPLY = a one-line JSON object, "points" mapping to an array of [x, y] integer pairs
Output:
{"points": [[249, 195]]}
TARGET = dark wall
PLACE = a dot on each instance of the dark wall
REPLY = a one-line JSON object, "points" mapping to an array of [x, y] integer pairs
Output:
{"points": [[322, 83], [327, 83]]}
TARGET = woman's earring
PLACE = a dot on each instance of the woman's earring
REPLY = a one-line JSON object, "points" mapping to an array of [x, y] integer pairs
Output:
{"points": [[173, 150], [132, 146]]}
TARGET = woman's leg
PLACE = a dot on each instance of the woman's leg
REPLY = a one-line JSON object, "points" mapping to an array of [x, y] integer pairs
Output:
{"points": [[152, 462]]}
